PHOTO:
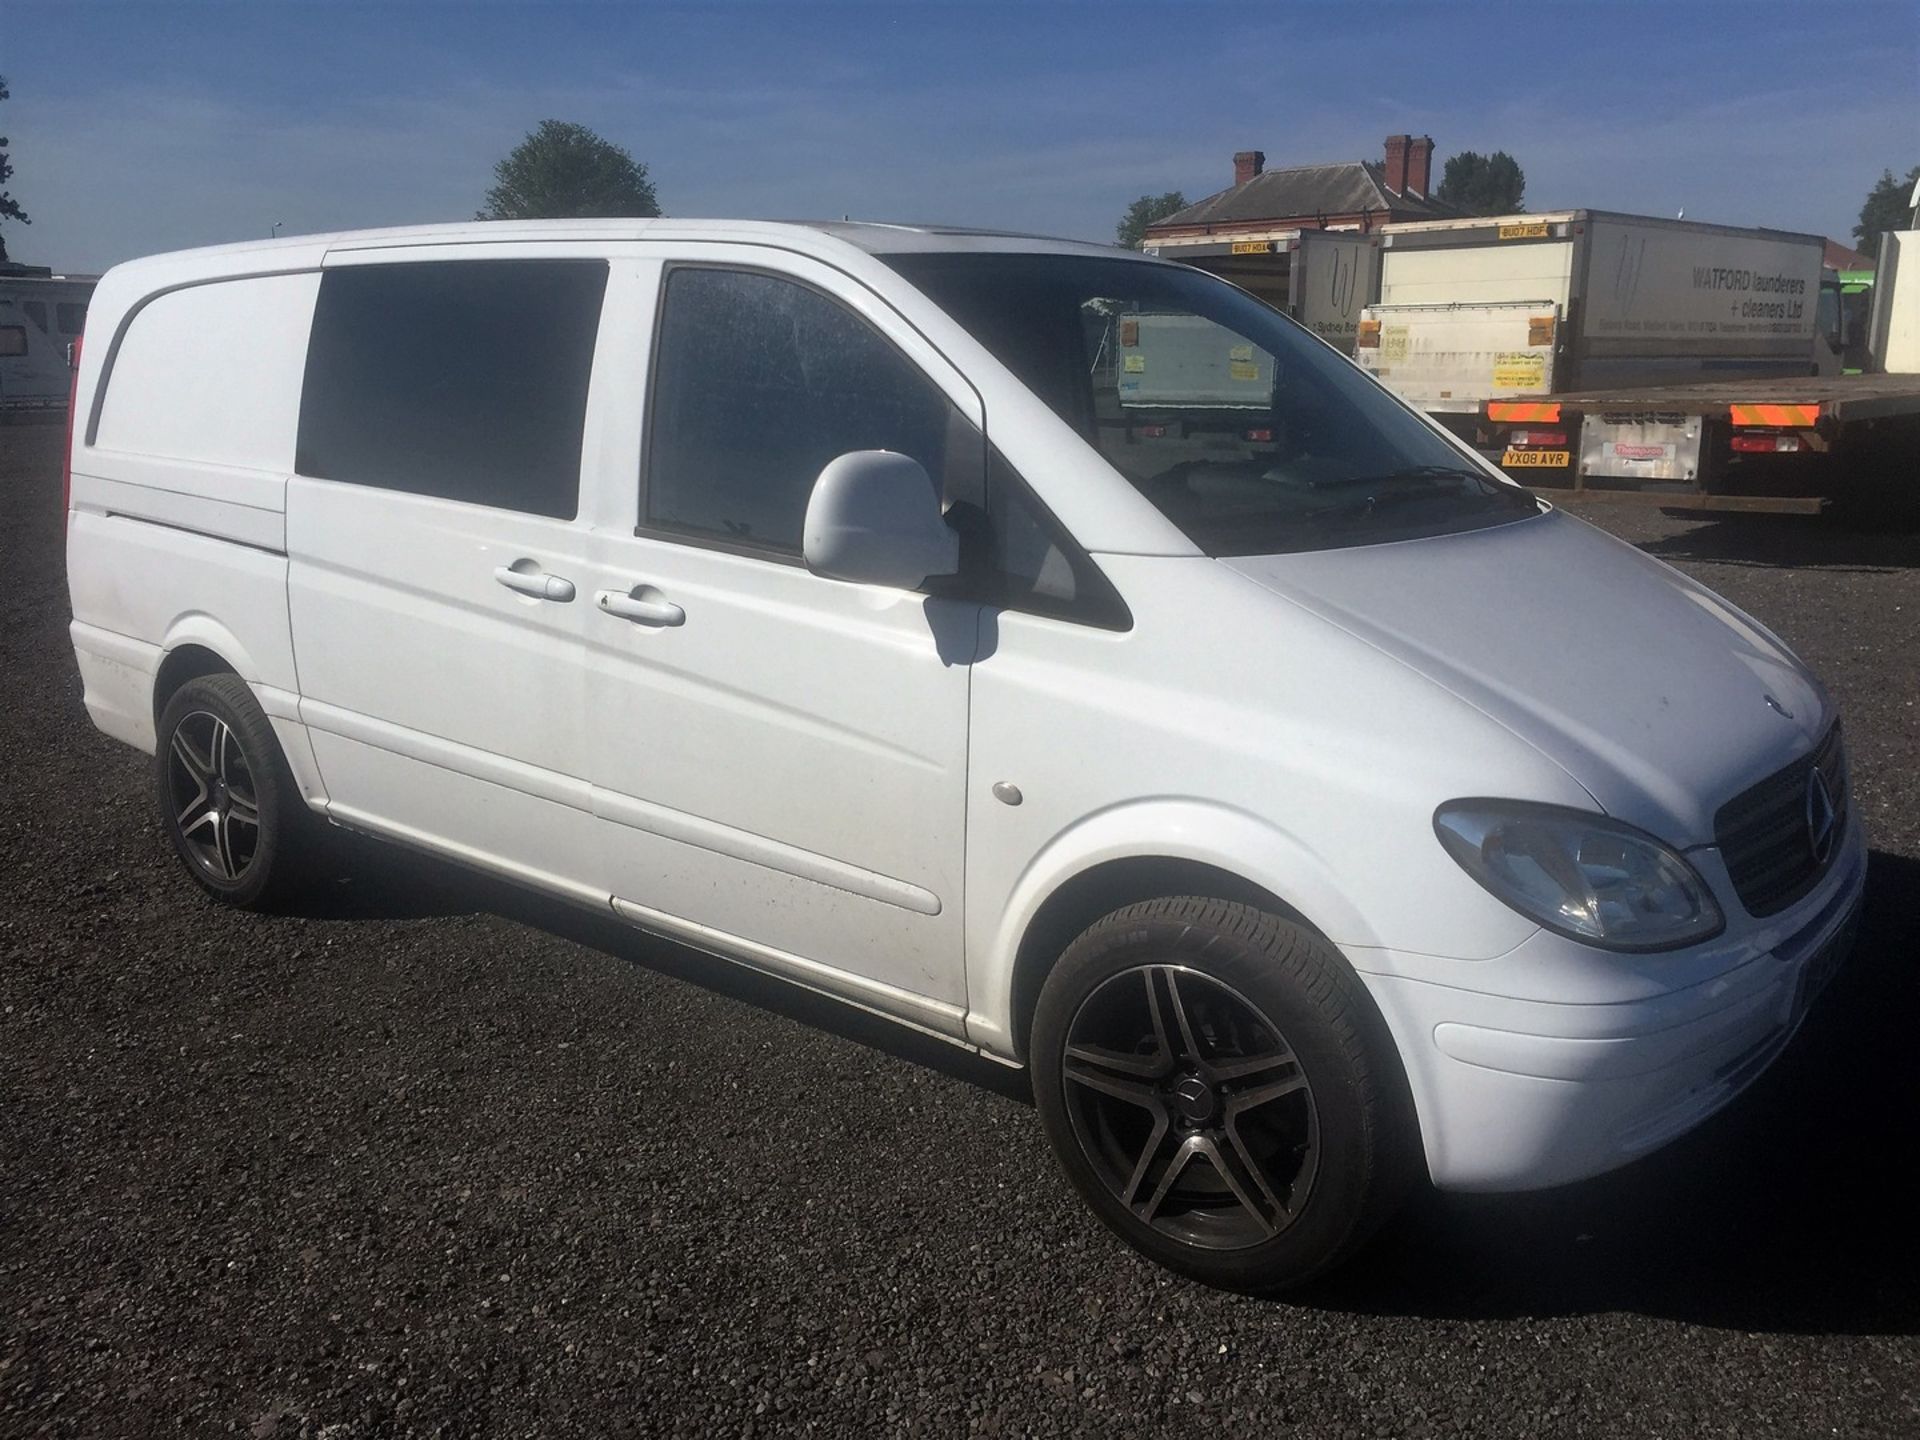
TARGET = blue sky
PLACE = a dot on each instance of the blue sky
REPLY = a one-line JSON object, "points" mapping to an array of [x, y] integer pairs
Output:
{"points": [[151, 126]]}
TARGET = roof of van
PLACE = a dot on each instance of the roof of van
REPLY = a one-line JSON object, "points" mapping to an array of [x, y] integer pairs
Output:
{"points": [[871, 236]]}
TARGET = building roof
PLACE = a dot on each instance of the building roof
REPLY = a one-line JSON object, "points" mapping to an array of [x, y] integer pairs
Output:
{"points": [[1845, 257], [1347, 188]]}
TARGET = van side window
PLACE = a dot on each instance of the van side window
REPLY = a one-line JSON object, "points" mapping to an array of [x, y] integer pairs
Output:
{"points": [[71, 317], [36, 311], [13, 339], [758, 383], [465, 380]]}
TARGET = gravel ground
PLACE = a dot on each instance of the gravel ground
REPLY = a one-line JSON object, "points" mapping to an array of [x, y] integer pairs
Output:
{"points": [[433, 1157]]}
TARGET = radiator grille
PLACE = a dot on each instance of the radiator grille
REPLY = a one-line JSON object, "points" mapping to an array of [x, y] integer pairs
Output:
{"points": [[1764, 835]]}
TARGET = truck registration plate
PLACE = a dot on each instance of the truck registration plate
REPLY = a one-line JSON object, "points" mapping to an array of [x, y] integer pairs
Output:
{"points": [[1534, 459]]}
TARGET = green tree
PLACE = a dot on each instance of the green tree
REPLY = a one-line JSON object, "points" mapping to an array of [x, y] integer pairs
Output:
{"points": [[566, 172], [1132, 228], [9, 207], [1889, 207], [1483, 184]]}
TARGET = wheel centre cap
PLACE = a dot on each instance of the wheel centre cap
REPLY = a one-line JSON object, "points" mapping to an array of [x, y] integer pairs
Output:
{"points": [[1194, 1097]]}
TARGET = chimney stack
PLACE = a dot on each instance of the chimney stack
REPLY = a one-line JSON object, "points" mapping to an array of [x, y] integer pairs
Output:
{"points": [[1396, 173], [1420, 166], [1247, 164]]}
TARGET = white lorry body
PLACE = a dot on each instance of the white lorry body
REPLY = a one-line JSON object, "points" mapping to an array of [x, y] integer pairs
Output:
{"points": [[1893, 342], [1181, 363], [1321, 278], [1634, 300], [1446, 358]]}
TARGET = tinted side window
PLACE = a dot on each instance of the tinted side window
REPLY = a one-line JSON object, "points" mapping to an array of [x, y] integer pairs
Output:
{"points": [[13, 339], [72, 317], [759, 382], [463, 379], [36, 311]]}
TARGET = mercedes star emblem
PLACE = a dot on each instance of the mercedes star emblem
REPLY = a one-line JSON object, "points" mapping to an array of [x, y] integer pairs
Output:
{"points": [[1819, 817]]}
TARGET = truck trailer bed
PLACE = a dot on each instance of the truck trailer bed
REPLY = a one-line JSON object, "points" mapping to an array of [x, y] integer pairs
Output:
{"points": [[1835, 398], [1779, 444]]}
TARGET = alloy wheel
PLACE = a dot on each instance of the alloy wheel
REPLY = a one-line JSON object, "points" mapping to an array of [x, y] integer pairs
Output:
{"points": [[1191, 1106], [215, 804]]}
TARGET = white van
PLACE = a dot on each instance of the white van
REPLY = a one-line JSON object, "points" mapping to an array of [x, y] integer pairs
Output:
{"points": [[1304, 805]]}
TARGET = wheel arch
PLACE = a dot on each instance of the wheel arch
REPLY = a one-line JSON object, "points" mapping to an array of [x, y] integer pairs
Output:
{"points": [[1104, 888], [181, 663], [1133, 853], [197, 643], [198, 646]]}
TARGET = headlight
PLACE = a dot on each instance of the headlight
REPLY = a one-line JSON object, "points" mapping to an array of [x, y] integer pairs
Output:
{"points": [[1580, 875]]}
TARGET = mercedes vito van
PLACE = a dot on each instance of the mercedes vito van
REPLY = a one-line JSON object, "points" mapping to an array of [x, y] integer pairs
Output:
{"points": [[1309, 809]]}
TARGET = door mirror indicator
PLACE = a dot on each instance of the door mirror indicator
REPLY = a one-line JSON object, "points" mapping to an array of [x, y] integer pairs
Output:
{"points": [[874, 518]]}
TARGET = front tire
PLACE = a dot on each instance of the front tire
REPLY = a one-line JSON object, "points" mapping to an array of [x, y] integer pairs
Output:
{"points": [[227, 801], [1221, 1090]]}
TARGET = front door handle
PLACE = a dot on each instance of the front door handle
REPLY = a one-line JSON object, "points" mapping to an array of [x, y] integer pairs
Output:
{"points": [[643, 605], [528, 578]]}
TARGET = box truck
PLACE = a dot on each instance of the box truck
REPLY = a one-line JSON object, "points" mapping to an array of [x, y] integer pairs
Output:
{"points": [[1692, 364], [1481, 309], [1322, 278]]}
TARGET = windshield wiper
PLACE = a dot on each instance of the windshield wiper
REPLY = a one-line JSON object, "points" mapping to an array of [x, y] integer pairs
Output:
{"points": [[1408, 472], [1364, 505], [1379, 497]]}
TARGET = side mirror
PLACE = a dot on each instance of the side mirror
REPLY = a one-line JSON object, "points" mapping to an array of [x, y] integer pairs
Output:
{"points": [[874, 518]]}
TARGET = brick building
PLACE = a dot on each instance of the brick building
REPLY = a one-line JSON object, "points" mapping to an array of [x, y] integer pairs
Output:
{"points": [[1351, 195]]}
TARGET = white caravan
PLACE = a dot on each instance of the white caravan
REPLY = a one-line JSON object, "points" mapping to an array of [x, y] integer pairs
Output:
{"points": [[41, 315]]}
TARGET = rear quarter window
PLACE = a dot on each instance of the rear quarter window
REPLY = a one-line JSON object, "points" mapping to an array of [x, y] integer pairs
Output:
{"points": [[211, 373]]}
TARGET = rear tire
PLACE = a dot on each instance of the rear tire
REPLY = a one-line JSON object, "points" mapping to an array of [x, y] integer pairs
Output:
{"points": [[1222, 1091], [227, 801]]}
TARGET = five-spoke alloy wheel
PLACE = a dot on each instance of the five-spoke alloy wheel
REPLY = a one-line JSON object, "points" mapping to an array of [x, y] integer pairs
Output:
{"points": [[226, 799], [1221, 1090], [1192, 1105], [213, 793]]}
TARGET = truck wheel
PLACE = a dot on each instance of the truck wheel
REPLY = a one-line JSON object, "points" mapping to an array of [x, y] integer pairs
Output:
{"points": [[227, 801], [1222, 1091]]}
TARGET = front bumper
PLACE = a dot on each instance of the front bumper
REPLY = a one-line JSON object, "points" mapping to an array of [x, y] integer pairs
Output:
{"points": [[1521, 1094]]}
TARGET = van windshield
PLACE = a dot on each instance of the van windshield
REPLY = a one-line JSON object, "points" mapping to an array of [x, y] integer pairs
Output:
{"points": [[1247, 432]]}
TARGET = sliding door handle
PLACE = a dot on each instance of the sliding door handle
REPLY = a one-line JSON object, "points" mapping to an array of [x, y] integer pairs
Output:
{"points": [[643, 605], [528, 578]]}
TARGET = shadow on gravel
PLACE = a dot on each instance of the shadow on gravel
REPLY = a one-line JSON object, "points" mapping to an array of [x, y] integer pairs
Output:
{"points": [[384, 882], [1795, 1210], [366, 880], [1794, 542]]}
